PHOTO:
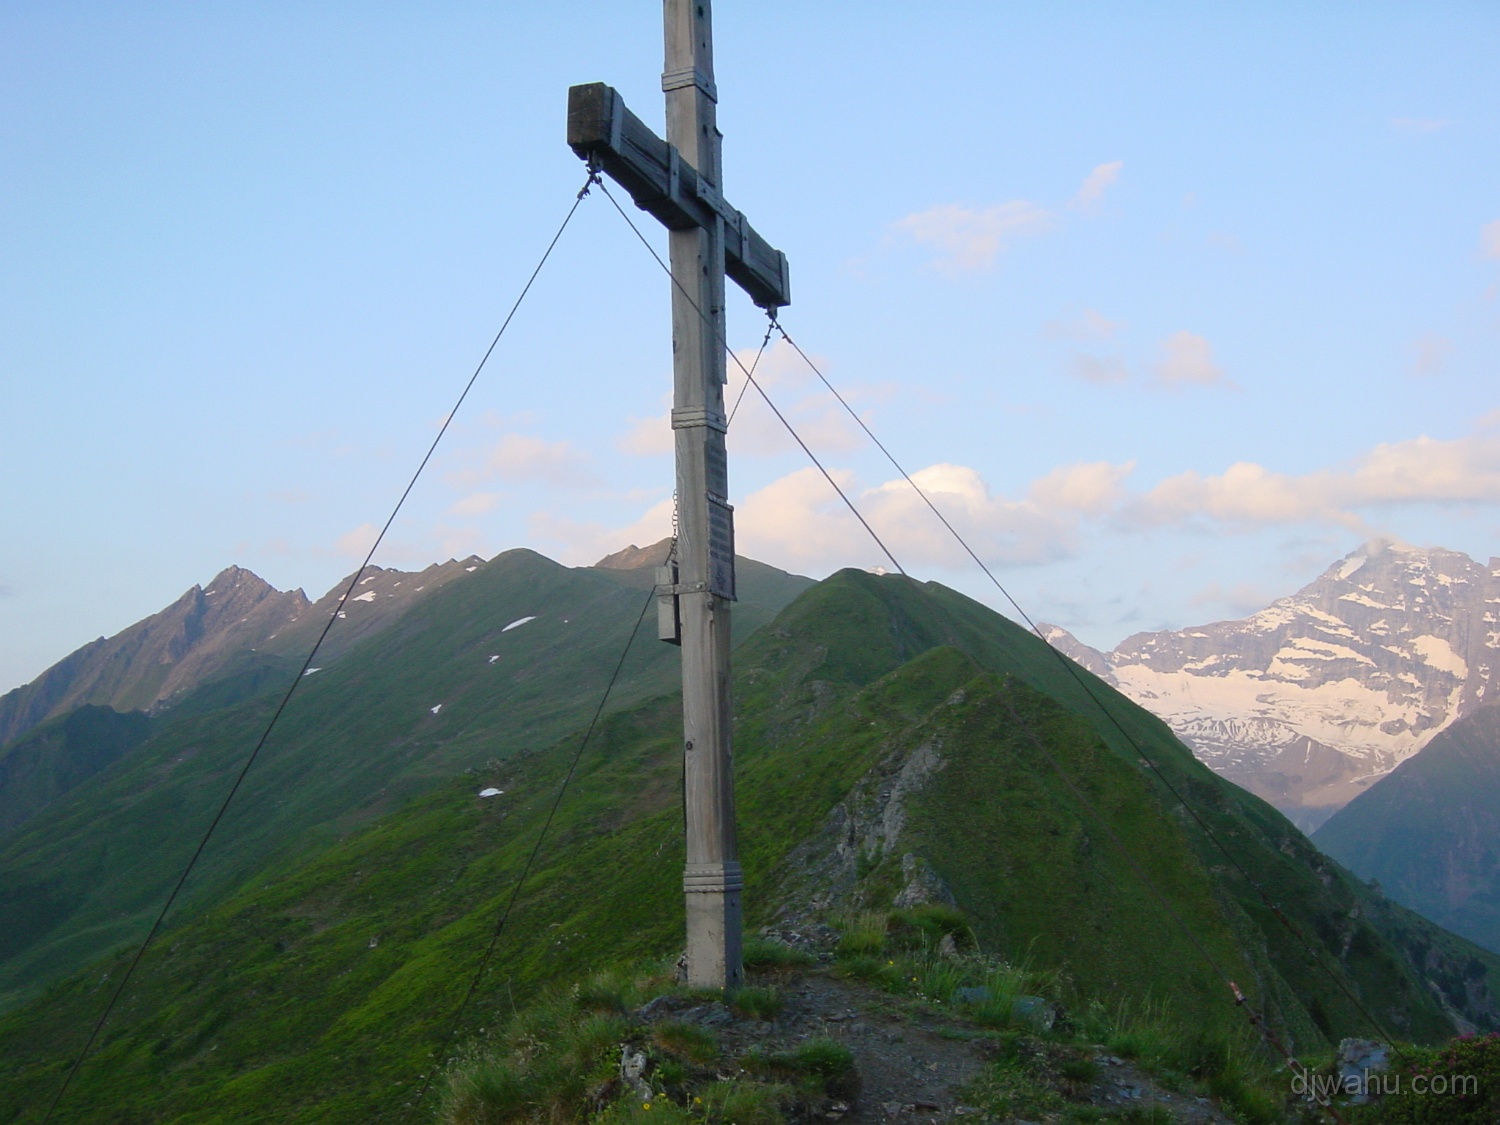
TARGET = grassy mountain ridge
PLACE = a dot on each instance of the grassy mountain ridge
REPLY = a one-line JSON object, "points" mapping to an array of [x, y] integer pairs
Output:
{"points": [[317, 991], [443, 687]]}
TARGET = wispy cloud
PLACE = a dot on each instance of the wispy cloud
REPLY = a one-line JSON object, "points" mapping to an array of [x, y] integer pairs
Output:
{"points": [[1240, 599], [968, 239], [523, 457], [1187, 359], [476, 504], [1432, 354], [583, 543], [1098, 369], [1489, 239], [1096, 183], [356, 542], [1088, 326]]}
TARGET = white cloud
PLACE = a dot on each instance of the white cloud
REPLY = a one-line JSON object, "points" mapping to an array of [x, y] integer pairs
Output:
{"points": [[967, 239], [1186, 358], [1096, 183], [581, 543], [522, 457], [1489, 239], [1089, 326], [476, 504], [647, 437], [1422, 470], [1432, 353], [1091, 488], [798, 521]]}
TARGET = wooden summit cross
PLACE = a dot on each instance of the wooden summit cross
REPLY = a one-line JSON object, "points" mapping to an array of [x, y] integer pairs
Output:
{"points": [[678, 181]]}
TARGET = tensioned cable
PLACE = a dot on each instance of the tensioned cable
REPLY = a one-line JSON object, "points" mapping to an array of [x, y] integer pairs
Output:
{"points": [[1072, 669], [515, 893], [302, 672], [751, 381], [1066, 663], [989, 573], [754, 363]]}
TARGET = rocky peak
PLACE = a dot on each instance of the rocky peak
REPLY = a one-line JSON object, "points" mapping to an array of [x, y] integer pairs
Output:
{"points": [[1310, 699], [637, 558]]}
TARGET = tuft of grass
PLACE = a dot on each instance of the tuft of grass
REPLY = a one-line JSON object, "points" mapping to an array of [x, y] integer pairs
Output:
{"points": [[486, 1092], [686, 1041], [744, 1103], [1144, 1115], [818, 1069], [762, 954], [1080, 1071], [863, 934], [606, 992], [922, 926], [553, 1063], [757, 1003]]}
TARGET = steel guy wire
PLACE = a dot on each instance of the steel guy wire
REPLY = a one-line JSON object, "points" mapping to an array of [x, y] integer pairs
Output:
{"points": [[745, 386], [301, 672], [1067, 664], [751, 381], [1192, 938], [439, 1057], [1072, 669]]}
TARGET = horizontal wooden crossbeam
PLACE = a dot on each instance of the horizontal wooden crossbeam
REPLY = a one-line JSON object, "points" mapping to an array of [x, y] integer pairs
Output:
{"points": [[602, 130]]}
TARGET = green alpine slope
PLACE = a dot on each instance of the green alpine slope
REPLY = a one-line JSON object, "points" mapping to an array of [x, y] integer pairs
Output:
{"points": [[1429, 831], [891, 736], [445, 687], [48, 760]]}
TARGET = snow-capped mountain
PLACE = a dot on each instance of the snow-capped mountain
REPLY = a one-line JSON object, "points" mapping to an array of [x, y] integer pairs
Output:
{"points": [[1313, 698]]}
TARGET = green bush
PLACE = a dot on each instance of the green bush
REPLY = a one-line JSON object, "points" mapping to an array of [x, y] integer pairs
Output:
{"points": [[1468, 1072]]}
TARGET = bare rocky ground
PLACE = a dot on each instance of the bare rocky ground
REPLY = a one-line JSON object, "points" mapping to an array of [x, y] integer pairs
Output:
{"points": [[919, 1064]]}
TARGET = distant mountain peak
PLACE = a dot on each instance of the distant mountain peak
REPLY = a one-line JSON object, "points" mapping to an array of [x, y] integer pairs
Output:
{"points": [[1310, 699], [637, 558]]}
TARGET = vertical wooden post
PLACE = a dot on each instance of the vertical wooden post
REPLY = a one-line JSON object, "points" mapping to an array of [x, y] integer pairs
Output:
{"points": [[705, 546]]}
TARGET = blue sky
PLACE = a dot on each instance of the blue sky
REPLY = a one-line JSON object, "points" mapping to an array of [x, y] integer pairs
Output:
{"points": [[1172, 304]]}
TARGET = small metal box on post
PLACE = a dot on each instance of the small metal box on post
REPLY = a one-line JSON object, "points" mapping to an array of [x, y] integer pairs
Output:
{"points": [[679, 182]]}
